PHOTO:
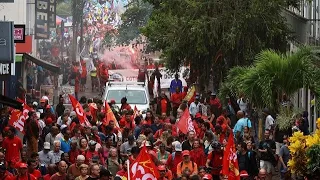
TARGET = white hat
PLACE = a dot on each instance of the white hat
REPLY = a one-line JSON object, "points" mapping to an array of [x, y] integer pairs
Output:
{"points": [[73, 113], [63, 126], [46, 146], [178, 147], [35, 103]]}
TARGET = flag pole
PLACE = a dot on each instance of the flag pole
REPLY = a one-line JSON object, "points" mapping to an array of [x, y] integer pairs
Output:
{"points": [[128, 168]]}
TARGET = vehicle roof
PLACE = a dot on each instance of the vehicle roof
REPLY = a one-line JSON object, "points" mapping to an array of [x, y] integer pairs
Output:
{"points": [[124, 87]]}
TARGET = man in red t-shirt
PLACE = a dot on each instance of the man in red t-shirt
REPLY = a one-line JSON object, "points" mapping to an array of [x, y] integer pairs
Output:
{"points": [[175, 158], [215, 159], [176, 99], [32, 164], [13, 146], [23, 173]]}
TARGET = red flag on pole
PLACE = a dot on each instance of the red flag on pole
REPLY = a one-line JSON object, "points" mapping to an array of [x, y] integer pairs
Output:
{"points": [[79, 111], [18, 118], [109, 115], [143, 167], [135, 112], [185, 123], [230, 165]]}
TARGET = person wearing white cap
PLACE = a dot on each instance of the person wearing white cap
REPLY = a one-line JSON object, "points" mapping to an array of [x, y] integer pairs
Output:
{"points": [[175, 158], [45, 158]]}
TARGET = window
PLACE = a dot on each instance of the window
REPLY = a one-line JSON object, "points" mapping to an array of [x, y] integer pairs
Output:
{"points": [[133, 96]]}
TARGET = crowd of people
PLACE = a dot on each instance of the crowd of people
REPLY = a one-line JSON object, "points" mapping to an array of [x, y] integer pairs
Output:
{"points": [[56, 146]]}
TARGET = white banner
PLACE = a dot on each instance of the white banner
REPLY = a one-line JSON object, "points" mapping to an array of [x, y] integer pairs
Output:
{"points": [[64, 91], [131, 75]]}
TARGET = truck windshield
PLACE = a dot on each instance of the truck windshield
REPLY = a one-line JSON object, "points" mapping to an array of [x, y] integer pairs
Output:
{"points": [[133, 96]]}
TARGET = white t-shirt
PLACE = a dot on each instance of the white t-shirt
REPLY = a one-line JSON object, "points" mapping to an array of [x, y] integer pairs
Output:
{"points": [[269, 122], [242, 104]]}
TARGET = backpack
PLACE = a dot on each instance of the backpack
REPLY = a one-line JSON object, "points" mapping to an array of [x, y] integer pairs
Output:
{"points": [[181, 164]]}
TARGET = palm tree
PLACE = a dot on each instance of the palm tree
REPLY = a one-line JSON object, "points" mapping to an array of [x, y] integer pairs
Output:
{"points": [[273, 74]]}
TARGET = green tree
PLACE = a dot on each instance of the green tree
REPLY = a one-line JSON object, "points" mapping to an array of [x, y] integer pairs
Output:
{"points": [[213, 36], [273, 74], [135, 17]]}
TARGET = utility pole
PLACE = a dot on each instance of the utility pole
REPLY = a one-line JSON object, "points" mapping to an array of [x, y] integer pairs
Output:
{"points": [[81, 25]]}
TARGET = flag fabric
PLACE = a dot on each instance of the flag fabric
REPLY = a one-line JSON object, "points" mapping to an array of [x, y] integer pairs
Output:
{"points": [[18, 118], [79, 111], [135, 112], [109, 115], [143, 167], [230, 165], [93, 109], [185, 122], [190, 93]]}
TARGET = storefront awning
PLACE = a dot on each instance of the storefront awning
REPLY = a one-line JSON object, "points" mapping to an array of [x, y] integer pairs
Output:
{"points": [[10, 102], [44, 64]]}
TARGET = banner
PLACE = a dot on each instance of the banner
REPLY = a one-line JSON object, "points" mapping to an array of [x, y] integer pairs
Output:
{"points": [[131, 75], [52, 13], [49, 89], [42, 19], [64, 91]]}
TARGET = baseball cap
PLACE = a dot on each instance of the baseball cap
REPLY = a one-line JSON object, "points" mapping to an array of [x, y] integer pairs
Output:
{"points": [[178, 147], [244, 173], [92, 143], [73, 113], [35, 103], [22, 165], [186, 153], [207, 176], [46, 146], [161, 167], [49, 121]]}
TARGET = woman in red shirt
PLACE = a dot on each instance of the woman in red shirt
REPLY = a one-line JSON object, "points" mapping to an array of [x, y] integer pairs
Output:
{"points": [[197, 154]]}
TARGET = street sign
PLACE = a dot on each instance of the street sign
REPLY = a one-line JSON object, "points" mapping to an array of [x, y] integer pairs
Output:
{"points": [[6, 42]]}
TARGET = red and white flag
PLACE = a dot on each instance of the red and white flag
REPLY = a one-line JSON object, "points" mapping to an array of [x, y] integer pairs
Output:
{"points": [[230, 165], [18, 118], [185, 122], [143, 167], [79, 111]]}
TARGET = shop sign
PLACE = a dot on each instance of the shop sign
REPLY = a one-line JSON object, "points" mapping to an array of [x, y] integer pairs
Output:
{"points": [[19, 33], [5, 68], [6, 42], [42, 19]]}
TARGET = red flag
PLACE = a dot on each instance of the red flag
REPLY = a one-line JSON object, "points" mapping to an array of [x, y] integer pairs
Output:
{"points": [[185, 123], [79, 111], [143, 167], [93, 109], [230, 165], [109, 115], [18, 118]]}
